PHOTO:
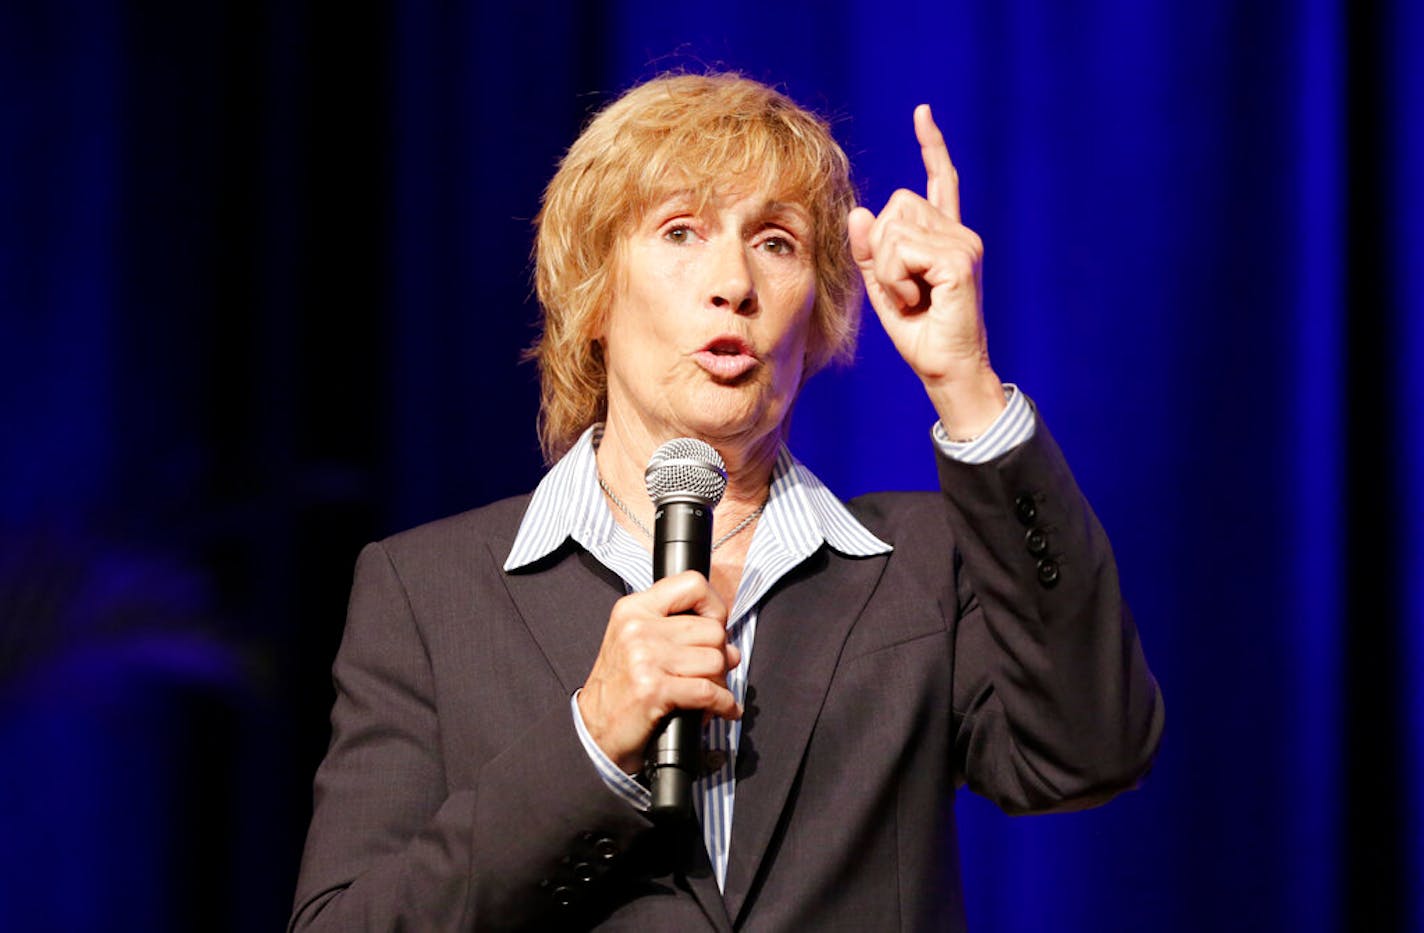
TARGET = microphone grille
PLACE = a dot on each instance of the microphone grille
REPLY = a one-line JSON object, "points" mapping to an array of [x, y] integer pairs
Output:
{"points": [[685, 466]]}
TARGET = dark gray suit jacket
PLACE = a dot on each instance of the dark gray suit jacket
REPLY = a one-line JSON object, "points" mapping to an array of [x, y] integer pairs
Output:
{"points": [[990, 648]]}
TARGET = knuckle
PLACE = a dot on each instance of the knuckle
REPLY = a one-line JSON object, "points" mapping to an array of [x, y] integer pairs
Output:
{"points": [[961, 265], [901, 196], [645, 686], [639, 657], [684, 586], [627, 609]]}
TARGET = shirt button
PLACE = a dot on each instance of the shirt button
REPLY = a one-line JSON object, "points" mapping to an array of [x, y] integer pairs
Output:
{"points": [[713, 759]]}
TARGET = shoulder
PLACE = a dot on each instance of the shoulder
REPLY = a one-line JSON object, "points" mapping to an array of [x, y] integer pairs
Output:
{"points": [[902, 517], [458, 540]]}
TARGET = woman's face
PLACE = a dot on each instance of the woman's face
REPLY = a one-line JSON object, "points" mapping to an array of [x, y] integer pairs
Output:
{"points": [[707, 331]]}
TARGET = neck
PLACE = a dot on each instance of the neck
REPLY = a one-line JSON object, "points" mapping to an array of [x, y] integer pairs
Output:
{"points": [[623, 456]]}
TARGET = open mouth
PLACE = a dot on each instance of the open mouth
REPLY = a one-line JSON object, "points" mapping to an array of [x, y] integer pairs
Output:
{"points": [[726, 357], [729, 346]]}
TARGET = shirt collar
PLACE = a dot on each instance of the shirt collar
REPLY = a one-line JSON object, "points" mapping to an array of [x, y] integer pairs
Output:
{"points": [[805, 513], [801, 513]]}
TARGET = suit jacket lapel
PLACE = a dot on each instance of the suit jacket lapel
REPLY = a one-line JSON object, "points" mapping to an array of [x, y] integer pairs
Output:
{"points": [[800, 630], [565, 601]]}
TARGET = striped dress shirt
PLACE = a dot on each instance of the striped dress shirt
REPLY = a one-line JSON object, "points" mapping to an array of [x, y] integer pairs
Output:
{"points": [[800, 515]]}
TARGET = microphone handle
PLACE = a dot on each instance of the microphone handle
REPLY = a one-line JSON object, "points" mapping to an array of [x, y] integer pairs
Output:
{"points": [[682, 540]]}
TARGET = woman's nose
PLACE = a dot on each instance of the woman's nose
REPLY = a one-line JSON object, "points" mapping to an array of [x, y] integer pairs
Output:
{"points": [[730, 278]]}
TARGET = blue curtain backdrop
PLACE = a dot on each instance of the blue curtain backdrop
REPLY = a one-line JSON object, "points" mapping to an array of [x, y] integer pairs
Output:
{"points": [[264, 286]]}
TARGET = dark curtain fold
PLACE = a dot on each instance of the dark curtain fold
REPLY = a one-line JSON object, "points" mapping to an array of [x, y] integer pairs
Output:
{"points": [[264, 286]]}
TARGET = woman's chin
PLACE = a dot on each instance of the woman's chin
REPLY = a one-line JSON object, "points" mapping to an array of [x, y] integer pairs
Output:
{"points": [[740, 425]]}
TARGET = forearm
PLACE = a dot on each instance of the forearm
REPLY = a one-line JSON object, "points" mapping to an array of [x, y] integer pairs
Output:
{"points": [[1057, 706]]}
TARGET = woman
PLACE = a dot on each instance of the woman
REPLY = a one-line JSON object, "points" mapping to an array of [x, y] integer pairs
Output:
{"points": [[698, 258]]}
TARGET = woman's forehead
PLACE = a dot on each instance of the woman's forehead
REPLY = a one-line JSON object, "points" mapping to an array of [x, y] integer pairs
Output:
{"points": [[760, 194]]}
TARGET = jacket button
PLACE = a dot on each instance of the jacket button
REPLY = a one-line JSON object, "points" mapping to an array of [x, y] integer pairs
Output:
{"points": [[1048, 573], [563, 895], [1025, 508], [582, 871], [605, 848], [1036, 541]]}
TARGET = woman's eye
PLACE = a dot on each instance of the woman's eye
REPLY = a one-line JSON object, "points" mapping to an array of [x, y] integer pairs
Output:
{"points": [[778, 245], [678, 234]]}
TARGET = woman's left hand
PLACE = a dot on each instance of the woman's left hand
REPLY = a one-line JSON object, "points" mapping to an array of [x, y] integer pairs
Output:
{"points": [[923, 272]]}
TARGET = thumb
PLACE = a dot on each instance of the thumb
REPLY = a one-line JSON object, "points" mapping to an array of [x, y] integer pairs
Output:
{"points": [[858, 223]]}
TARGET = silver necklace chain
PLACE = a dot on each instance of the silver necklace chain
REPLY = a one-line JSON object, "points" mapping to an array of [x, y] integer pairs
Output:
{"points": [[741, 525]]}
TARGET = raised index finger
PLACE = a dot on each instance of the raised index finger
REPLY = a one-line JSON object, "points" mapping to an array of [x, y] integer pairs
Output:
{"points": [[941, 179]]}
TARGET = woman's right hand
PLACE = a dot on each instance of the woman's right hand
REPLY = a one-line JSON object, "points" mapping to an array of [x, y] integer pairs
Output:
{"points": [[664, 649]]}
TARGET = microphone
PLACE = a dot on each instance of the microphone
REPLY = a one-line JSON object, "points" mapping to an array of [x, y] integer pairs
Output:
{"points": [[686, 479]]}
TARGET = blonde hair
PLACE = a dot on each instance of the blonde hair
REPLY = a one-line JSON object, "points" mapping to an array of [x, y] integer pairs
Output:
{"points": [[694, 132]]}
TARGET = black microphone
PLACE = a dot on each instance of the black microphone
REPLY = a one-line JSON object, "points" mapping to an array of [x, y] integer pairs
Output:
{"points": [[686, 479]]}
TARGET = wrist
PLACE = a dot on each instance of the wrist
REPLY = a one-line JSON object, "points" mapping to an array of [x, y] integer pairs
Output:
{"points": [[967, 406], [630, 762]]}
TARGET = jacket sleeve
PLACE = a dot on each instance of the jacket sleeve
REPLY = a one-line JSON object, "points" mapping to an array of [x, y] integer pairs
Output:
{"points": [[1055, 706], [393, 846]]}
